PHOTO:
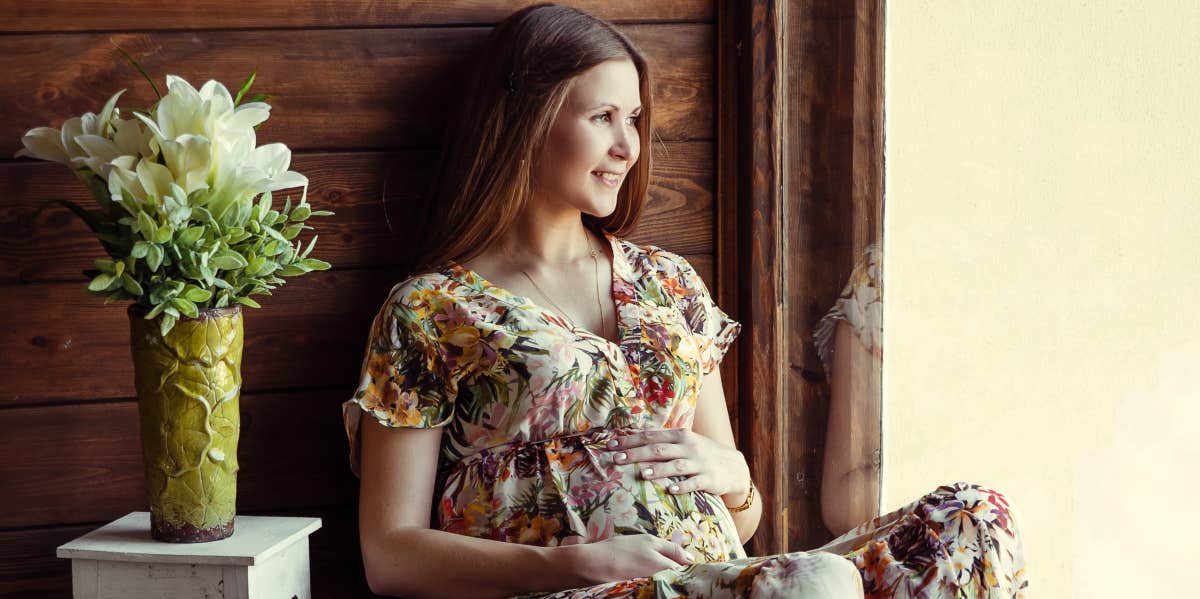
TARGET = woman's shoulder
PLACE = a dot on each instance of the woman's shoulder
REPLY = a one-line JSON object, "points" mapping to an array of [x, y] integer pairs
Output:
{"points": [[648, 258], [422, 289]]}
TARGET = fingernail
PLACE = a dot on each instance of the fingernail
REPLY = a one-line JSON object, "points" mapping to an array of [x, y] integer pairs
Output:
{"points": [[648, 472], [612, 444], [621, 457], [674, 488]]}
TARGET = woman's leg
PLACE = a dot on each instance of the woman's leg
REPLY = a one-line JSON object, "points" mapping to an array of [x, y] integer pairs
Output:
{"points": [[961, 540], [800, 575]]}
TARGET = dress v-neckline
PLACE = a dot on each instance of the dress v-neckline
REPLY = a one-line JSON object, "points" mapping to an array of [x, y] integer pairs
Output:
{"points": [[483, 284]]}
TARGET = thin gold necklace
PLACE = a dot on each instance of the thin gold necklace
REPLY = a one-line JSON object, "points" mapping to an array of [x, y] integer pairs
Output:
{"points": [[596, 276]]}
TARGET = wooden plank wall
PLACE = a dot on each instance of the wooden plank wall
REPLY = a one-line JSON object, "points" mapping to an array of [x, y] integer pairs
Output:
{"points": [[359, 90]]}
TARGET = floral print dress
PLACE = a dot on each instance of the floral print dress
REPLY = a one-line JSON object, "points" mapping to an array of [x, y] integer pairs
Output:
{"points": [[528, 401]]}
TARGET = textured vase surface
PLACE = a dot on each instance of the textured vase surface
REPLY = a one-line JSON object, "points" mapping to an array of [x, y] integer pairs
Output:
{"points": [[188, 385]]}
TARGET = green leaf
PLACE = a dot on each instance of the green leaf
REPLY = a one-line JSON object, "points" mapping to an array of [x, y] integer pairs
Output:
{"points": [[101, 282], [276, 234], [163, 234], [227, 259], [140, 249], [245, 87], [310, 247], [291, 231], [166, 324], [322, 213], [146, 227], [118, 269], [154, 257], [107, 266], [190, 235], [203, 215], [291, 270], [245, 301], [197, 294], [260, 98], [222, 300], [301, 213], [156, 310], [131, 285], [254, 265], [314, 264], [115, 296], [186, 307]]}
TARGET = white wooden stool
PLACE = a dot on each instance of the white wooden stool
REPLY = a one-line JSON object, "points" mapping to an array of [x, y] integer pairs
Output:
{"points": [[266, 558]]}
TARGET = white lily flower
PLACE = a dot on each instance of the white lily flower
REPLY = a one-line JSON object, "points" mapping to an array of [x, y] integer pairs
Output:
{"points": [[44, 143], [189, 158], [156, 180], [122, 177]]}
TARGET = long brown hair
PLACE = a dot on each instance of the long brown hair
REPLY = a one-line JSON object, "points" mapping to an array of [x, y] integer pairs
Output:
{"points": [[513, 93]]}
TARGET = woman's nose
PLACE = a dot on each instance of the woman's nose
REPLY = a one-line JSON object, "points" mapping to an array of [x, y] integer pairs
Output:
{"points": [[622, 146]]}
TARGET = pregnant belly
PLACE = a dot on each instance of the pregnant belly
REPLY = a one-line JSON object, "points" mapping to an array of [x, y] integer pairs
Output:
{"points": [[568, 489]]}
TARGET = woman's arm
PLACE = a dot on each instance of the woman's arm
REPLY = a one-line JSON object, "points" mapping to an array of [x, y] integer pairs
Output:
{"points": [[712, 421], [850, 478], [403, 556]]}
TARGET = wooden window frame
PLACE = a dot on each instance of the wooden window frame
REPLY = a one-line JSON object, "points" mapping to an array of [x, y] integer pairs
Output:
{"points": [[799, 195]]}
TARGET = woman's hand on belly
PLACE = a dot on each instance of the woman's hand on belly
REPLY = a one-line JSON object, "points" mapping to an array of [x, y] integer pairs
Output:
{"points": [[695, 461]]}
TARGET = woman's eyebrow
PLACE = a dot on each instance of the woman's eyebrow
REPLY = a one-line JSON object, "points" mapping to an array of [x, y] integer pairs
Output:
{"points": [[604, 104]]}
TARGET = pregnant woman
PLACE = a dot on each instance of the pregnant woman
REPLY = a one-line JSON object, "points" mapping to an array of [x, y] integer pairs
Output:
{"points": [[541, 412]]}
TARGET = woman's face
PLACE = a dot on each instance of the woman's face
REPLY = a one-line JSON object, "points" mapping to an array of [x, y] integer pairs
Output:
{"points": [[593, 142]]}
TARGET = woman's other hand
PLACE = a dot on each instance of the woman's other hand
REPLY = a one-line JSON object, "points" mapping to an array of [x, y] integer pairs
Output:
{"points": [[623, 557], [693, 461]]}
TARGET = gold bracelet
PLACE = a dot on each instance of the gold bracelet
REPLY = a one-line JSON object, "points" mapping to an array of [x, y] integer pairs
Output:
{"points": [[749, 500]]}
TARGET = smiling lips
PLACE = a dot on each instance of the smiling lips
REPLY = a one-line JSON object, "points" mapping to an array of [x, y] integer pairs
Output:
{"points": [[608, 179]]}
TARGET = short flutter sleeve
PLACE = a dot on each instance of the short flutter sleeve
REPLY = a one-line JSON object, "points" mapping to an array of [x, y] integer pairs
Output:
{"points": [[714, 330], [403, 383], [859, 306]]}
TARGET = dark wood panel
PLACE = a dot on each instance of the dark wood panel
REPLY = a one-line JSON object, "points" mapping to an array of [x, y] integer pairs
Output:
{"points": [[118, 15], [28, 567], [57, 246], [59, 343], [755, 66], [30, 570], [83, 462], [332, 89]]}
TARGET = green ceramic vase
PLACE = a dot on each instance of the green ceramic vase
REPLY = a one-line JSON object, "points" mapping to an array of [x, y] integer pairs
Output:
{"points": [[188, 385]]}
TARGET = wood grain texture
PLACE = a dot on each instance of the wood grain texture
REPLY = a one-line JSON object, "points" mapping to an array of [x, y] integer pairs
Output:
{"points": [[755, 32], [360, 88], [292, 452], [115, 15], [56, 246], [59, 343]]}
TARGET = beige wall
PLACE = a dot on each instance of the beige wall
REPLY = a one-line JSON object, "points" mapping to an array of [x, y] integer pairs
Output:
{"points": [[1042, 260]]}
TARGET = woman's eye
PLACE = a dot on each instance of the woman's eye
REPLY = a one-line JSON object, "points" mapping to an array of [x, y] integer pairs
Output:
{"points": [[607, 117]]}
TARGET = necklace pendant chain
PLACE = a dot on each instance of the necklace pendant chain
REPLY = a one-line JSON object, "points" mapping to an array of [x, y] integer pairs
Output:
{"points": [[596, 276]]}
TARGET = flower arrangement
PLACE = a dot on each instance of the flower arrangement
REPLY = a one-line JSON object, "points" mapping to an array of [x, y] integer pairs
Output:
{"points": [[186, 212]]}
